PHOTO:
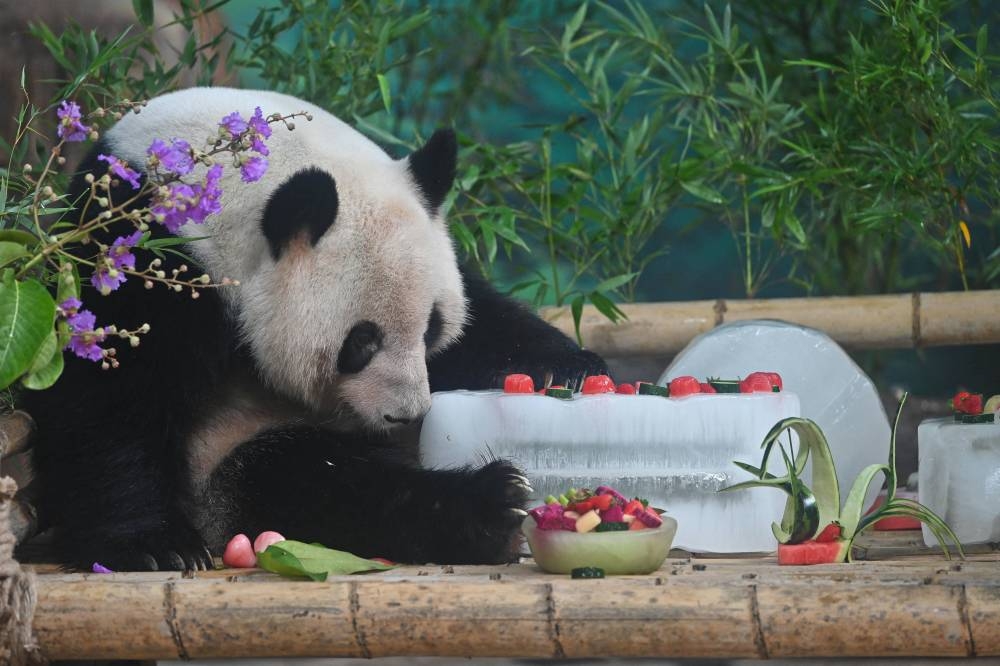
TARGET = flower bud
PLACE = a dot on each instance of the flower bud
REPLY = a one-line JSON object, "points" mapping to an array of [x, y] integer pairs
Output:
{"points": [[134, 341]]}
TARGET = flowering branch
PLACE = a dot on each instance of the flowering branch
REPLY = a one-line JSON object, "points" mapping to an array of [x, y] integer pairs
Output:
{"points": [[167, 195]]}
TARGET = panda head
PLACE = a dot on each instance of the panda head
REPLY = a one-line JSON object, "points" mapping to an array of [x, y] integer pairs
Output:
{"points": [[348, 277]]}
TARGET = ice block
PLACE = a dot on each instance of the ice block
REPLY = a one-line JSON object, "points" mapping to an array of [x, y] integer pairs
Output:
{"points": [[675, 452], [959, 470], [834, 392]]}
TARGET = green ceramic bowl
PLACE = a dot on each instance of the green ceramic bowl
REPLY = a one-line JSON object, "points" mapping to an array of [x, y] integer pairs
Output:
{"points": [[639, 552]]}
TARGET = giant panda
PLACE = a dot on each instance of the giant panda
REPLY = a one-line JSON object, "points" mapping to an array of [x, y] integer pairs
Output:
{"points": [[279, 404]]}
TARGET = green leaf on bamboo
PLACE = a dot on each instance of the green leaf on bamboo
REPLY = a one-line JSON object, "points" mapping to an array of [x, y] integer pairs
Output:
{"points": [[314, 561]]}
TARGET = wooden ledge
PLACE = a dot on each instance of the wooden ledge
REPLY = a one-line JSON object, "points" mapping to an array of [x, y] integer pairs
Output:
{"points": [[916, 606]]}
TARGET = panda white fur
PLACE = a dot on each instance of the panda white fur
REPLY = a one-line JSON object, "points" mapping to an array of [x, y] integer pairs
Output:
{"points": [[278, 404]]}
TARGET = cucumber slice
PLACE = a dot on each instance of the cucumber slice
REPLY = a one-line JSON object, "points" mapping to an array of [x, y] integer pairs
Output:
{"points": [[645, 388], [725, 385], [561, 393], [587, 572], [978, 418], [612, 527]]}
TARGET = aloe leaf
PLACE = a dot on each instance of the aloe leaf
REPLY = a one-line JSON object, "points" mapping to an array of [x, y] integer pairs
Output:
{"points": [[851, 514]]}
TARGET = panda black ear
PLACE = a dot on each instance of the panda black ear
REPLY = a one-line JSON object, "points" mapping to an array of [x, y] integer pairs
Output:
{"points": [[305, 203], [433, 167]]}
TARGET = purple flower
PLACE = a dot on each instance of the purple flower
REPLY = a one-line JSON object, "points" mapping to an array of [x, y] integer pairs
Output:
{"points": [[69, 307], [234, 124], [259, 130], [99, 568], [120, 169], [107, 278], [253, 168], [174, 157], [119, 254], [181, 202], [70, 128], [85, 339]]}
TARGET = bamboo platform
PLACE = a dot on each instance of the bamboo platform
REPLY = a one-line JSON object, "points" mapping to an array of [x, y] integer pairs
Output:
{"points": [[914, 604]]}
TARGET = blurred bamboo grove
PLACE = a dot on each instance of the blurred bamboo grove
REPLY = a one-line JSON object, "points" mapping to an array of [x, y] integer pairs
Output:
{"points": [[634, 150]]}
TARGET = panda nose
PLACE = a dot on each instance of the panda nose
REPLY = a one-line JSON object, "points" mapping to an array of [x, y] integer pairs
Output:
{"points": [[402, 420]]}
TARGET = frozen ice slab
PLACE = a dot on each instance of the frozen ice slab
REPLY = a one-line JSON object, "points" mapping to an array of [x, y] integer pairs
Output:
{"points": [[676, 452], [833, 391], [959, 468]]}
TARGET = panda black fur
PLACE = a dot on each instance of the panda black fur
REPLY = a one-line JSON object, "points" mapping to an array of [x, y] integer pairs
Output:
{"points": [[277, 404]]}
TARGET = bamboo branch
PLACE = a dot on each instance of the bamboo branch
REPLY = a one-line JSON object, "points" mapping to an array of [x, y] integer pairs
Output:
{"points": [[859, 322]]}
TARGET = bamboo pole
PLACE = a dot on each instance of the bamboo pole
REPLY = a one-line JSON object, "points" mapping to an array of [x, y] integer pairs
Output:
{"points": [[707, 608], [860, 322]]}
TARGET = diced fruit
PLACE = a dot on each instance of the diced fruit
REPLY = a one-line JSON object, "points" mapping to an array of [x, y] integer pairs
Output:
{"points": [[548, 516], [518, 384], [588, 521], [613, 515], [583, 506], [830, 533], [636, 525], [551, 499], [587, 572], [628, 518], [776, 380], [625, 389], [602, 502], [649, 518], [707, 388], [992, 405], [559, 392], [756, 382], [598, 384], [633, 507], [645, 388], [608, 490], [685, 385], [607, 526], [239, 553], [812, 552], [968, 403], [265, 539]]}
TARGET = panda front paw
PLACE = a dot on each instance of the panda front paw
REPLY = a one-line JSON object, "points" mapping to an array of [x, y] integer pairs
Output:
{"points": [[563, 369], [496, 495], [172, 548]]}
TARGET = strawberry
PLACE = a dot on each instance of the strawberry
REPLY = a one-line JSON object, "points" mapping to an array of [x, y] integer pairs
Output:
{"points": [[707, 388], [685, 385], [518, 384], [626, 389], [756, 382], [968, 403], [598, 384]]}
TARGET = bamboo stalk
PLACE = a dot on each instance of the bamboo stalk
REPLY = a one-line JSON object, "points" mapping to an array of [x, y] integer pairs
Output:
{"points": [[715, 608], [859, 322]]}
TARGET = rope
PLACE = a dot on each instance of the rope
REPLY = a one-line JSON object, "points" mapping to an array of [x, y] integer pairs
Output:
{"points": [[17, 593]]}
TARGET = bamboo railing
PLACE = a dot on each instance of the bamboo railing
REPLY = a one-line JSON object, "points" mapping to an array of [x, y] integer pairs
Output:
{"points": [[859, 322]]}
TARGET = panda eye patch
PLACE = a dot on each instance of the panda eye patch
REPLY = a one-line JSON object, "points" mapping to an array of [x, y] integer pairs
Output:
{"points": [[362, 343], [433, 332]]}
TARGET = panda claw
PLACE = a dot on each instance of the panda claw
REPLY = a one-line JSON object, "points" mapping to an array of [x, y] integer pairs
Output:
{"points": [[522, 480], [518, 512]]}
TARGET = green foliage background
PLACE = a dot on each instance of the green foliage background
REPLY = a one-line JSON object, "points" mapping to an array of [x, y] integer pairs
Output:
{"points": [[662, 150]]}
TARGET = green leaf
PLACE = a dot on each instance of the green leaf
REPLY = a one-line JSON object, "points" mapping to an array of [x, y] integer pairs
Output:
{"points": [[47, 365], [576, 307], [295, 558], [573, 26], [702, 191], [981, 41], [18, 236], [606, 307], [144, 11], [11, 252], [383, 86], [27, 313], [613, 283]]}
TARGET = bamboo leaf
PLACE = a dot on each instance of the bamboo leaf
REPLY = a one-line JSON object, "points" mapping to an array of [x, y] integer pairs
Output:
{"points": [[295, 558]]}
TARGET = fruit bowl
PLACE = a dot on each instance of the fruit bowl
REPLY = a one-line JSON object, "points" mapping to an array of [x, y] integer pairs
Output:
{"points": [[636, 552]]}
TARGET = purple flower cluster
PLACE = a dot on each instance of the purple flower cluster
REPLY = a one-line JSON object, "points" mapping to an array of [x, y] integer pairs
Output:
{"points": [[121, 169], [174, 157], [254, 131], [177, 203], [109, 273], [70, 128], [85, 337]]}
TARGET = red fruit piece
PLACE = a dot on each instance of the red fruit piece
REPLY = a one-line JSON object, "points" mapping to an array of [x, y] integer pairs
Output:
{"points": [[608, 490], [265, 539], [634, 507], [602, 502], [707, 388], [812, 552], [518, 384], [239, 553], [776, 380], [598, 384], [685, 385], [830, 533], [649, 518], [756, 382], [626, 389], [968, 403]]}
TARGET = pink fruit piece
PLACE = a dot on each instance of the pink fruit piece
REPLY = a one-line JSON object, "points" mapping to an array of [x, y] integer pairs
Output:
{"points": [[649, 518], [239, 553], [613, 515], [265, 539], [608, 490], [548, 516], [569, 523]]}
